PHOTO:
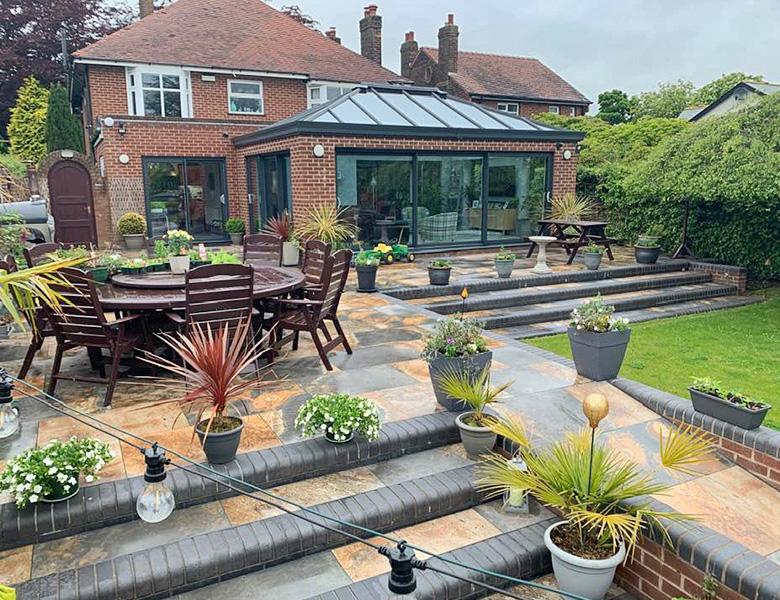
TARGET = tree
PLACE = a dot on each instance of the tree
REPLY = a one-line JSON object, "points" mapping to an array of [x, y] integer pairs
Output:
{"points": [[668, 101], [710, 92], [294, 12], [29, 43], [614, 107], [63, 128], [27, 127]]}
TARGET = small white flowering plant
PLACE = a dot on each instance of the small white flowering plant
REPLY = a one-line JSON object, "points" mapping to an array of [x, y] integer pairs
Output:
{"points": [[53, 470], [338, 416], [453, 337], [597, 316]]}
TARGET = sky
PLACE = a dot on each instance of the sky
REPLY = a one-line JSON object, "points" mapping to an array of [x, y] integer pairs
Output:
{"points": [[595, 45]]}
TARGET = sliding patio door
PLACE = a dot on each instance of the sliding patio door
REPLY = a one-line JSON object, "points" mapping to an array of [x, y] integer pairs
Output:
{"points": [[269, 181]]}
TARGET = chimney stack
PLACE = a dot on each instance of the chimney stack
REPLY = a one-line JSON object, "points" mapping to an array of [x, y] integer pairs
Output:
{"points": [[331, 34], [448, 47], [145, 8], [409, 51], [371, 34]]}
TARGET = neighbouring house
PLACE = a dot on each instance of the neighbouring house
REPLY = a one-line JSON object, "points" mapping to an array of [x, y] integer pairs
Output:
{"points": [[208, 109], [514, 84], [742, 95]]}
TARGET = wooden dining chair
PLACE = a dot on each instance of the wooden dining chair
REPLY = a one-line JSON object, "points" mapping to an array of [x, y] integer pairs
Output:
{"points": [[309, 314], [82, 323], [263, 249], [314, 254], [39, 252]]}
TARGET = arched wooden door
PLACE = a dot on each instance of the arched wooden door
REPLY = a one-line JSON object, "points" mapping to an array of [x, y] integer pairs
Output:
{"points": [[70, 198]]}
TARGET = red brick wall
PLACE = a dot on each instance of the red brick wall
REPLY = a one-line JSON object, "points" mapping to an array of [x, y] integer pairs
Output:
{"points": [[657, 573], [107, 90], [529, 109]]}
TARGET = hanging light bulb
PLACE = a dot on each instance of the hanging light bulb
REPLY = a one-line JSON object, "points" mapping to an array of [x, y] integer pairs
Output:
{"points": [[9, 414], [156, 501]]}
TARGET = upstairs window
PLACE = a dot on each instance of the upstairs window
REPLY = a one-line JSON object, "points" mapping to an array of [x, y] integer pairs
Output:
{"points": [[322, 93], [158, 93], [245, 97], [554, 109], [509, 107]]}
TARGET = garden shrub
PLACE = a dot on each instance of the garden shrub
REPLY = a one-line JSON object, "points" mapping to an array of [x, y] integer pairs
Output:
{"points": [[27, 126], [131, 223], [63, 128]]}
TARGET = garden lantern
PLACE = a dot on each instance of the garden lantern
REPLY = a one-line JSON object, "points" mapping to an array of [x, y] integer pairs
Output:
{"points": [[156, 501], [9, 414], [595, 408], [516, 499]]}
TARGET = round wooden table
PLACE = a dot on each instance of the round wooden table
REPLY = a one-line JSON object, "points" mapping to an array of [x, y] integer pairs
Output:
{"points": [[165, 291]]}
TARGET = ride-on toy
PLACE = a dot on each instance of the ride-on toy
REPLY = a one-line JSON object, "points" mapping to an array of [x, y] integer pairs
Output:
{"points": [[389, 254]]}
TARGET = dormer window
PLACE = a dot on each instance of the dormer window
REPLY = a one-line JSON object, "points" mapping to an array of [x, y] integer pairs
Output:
{"points": [[158, 92], [320, 93]]}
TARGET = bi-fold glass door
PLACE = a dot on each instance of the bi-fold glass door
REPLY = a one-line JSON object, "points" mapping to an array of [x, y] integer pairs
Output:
{"points": [[268, 183]]}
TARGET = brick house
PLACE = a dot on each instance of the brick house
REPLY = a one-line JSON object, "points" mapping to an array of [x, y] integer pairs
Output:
{"points": [[514, 84], [173, 106]]}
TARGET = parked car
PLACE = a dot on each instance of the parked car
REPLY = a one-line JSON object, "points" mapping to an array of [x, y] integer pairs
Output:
{"points": [[39, 222]]}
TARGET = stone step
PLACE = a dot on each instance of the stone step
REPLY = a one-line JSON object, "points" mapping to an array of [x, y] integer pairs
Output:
{"points": [[559, 310], [566, 291]]}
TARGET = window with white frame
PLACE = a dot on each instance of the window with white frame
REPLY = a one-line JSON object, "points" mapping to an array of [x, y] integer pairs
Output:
{"points": [[554, 109], [245, 97], [572, 111], [158, 92], [509, 107], [320, 93]]}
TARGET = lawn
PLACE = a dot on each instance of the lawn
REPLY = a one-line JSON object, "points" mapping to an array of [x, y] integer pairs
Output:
{"points": [[738, 347]]}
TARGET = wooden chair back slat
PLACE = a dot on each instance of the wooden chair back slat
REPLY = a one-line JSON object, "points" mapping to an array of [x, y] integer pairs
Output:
{"points": [[219, 295], [338, 279], [81, 321], [40, 252], [314, 254], [263, 249]]}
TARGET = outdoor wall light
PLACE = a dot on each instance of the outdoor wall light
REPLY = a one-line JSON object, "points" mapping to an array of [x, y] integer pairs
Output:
{"points": [[566, 154], [124, 159], [318, 150], [122, 128], [9, 414], [558, 146], [156, 502]]}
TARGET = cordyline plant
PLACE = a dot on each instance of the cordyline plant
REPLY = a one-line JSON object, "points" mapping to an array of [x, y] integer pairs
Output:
{"points": [[209, 379], [281, 226], [603, 508], [326, 222]]}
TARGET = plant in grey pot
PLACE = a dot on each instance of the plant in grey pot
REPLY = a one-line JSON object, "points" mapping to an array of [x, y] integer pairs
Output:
{"points": [[598, 340], [455, 344], [602, 496], [505, 262], [366, 265], [439, 270], [235, 229], [710, 398], [591, 256], [647, 249], [132, 227], [476, 394], [208, 363], [338, 417]]}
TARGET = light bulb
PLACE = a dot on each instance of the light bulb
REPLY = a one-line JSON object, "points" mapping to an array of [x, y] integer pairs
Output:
{"points": [[9, 420], [156, 501]]}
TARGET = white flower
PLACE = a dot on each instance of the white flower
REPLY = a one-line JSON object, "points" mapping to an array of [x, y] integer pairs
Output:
{"points": [[72, 481], [48, 461], [34, 498], [52, 471], [30, 477], [37, 489], [88, 479]]}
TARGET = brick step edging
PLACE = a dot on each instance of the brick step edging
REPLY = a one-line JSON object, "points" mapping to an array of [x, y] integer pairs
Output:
{"points": [[113, 502], [207, 558]]}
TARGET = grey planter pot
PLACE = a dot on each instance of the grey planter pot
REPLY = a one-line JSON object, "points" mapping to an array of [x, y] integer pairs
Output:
{"points": [[727, 411], [592, 260], [290, 254], [236, 239], [582, 576], [439, 275], [476, 440], [647, 255], [598, 356], [504, 268], [134, 241], [366, 276], [442, 364], [221, 448]]}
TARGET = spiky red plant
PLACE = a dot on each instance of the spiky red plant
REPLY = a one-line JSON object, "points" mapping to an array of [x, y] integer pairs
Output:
{"points": [[281, 226]]}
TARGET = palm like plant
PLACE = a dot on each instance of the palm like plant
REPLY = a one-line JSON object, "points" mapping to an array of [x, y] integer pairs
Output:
{"points": [[473, 390], [573, 207], [281, 226], [326, 222], [602, 507]]}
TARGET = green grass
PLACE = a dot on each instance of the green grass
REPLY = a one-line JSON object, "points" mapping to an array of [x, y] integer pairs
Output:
{"points": [[738, 347]]}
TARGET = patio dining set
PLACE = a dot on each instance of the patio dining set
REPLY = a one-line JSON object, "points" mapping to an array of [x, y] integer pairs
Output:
{"points": [[118, 316]]}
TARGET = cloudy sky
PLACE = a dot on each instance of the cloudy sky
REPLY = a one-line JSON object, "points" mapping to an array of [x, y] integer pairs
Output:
{"points": [[594, 44]]}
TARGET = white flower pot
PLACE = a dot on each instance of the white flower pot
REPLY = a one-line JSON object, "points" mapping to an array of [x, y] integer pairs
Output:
{"points": [[179, 264], [584, 577], [290, 254]]}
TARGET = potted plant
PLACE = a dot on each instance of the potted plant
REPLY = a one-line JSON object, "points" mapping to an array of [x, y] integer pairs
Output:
{"points": [[133, 266], [283, 227], [327, 222], [476, 393], [366, 265], [710, 398], [647, 249], [505, 262], [132, 227], [222, 257], [51, 473], [338, 416], [112, 264], [439, 270], [178, 243], [208, 364], [235, 228], [602, 496], [598, 340], [456, 345], [591, 256]]}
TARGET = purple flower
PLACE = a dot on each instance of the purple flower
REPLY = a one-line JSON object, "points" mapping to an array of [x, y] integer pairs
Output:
{"points": [[450, 341]]}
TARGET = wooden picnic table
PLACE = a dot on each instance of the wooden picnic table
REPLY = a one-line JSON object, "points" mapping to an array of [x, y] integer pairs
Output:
{"points": [[585, 232]]}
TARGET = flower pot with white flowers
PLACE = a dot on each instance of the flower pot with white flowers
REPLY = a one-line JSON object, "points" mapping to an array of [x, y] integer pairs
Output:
{"points": [[179, 243], [53, 473], [598, 340], [338, 417]]}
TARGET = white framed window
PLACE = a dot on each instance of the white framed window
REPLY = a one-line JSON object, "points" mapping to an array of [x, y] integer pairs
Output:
{"points": [[554, 109], [320, 93], [245, 97], [509, 107], [158, 92], [572, 111]]}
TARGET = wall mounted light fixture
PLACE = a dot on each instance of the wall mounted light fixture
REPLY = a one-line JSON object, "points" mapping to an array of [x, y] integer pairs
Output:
{"points": [[122, 128]]}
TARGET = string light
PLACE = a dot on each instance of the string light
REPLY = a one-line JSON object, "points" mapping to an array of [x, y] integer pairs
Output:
{"points": [[156, 502]]}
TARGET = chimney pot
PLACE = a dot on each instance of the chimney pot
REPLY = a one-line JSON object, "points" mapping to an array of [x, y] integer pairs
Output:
{"points": [[448, 47], [409, 36], [145, 8], [450, 19], [370, 10], [371, 34], [332, 35]]}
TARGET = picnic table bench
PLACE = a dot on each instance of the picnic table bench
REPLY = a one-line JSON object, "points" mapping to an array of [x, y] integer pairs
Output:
{"points": [[584, 233]]}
